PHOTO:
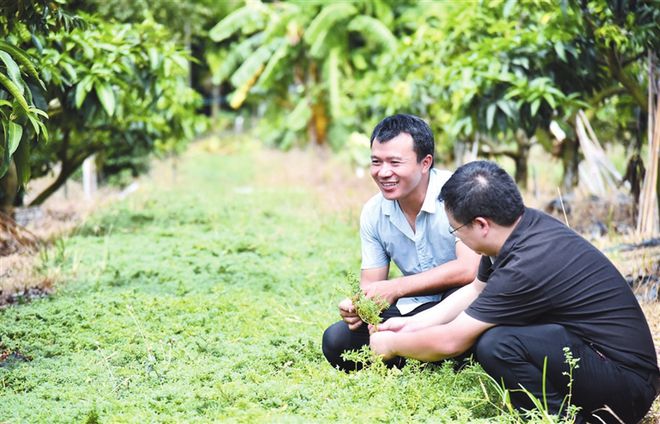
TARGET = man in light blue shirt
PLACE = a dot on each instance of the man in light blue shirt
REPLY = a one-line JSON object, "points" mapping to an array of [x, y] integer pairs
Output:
{"points": [[406, 224]]}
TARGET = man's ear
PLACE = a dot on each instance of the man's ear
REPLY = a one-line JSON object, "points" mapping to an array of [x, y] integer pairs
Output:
{"points": [[482, 224], [426, 162]]}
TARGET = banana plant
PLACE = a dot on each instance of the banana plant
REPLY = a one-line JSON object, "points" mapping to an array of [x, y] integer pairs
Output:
{"points": [[295, 56]]}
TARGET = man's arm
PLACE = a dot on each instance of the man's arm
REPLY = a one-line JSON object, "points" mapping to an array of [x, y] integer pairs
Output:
{"points": [[442, 313], [370, 276], [431, 343], [457, 272]]}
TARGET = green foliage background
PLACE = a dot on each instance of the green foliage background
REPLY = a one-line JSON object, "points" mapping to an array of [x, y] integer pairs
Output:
{"points": [[204, 305], [490, 76]]}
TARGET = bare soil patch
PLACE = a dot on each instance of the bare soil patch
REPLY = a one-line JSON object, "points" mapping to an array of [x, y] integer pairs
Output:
{"points": [[25, 237]]}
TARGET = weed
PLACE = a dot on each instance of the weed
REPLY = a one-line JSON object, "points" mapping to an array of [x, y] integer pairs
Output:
{"points": [[567, 411], [369, 309], [365, 357], [92, 417]]}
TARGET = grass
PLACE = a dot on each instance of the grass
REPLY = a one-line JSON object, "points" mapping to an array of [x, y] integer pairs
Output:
{"points": [[204, 299]]}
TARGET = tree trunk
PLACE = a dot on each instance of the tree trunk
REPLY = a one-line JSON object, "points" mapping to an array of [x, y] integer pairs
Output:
{"points": [[319, 124], [570, 160], [521, 158], [635, 90], [522, 170], [317, 127], [8, 189], [215, 104], [68, 168]]}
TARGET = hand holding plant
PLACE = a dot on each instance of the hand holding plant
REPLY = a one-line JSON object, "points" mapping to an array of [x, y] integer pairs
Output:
{"points": [[368, 309], [381, 344], [348, 314]]}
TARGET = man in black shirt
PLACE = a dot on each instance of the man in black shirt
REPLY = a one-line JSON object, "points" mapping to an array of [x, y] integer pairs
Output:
{"points": [[540, 288]]}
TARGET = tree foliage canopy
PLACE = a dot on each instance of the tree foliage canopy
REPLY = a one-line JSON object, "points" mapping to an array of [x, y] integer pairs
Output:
{"points": [[93, 86], [498, 72]]}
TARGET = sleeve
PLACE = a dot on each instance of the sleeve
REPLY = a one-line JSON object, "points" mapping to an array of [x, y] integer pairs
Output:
{"points": [[509, 298], [373, 252], [484, 268]]}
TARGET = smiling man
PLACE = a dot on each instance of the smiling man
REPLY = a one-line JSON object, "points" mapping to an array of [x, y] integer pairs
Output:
{"points": [[401, 225], [540, 288]]}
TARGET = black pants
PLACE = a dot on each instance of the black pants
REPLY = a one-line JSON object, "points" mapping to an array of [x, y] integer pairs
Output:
{"points": [[338, 339], [515, 356]]}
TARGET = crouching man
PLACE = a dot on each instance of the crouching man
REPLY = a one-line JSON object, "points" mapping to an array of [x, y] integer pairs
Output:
{"points": [[540, 288], [401, 225]]}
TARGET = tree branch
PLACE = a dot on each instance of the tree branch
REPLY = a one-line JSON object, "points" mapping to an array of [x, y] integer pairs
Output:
{"points": [[69, 166], [606, 92], [631, 86], [493, 149]]}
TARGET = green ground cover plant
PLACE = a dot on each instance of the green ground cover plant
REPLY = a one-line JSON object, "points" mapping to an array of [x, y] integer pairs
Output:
{"points": [[204, 300]]}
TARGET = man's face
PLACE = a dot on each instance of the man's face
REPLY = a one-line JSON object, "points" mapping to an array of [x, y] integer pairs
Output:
{"points": [[394, 167], [467, 232]]}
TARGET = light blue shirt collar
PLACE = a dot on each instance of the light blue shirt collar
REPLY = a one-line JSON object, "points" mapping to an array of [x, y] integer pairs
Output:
{"points": [[391, 207]]}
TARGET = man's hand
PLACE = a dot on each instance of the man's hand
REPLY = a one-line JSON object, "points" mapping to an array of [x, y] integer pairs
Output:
{"points": [[349, 314], [396, 324], [381, 343], [385, 289]]}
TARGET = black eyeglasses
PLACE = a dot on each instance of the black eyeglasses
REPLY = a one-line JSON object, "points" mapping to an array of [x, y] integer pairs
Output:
{"points": [[452, 230]]}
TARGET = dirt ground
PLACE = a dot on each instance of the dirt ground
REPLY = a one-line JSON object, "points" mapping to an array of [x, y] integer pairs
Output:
{"points": [[25, 238]]}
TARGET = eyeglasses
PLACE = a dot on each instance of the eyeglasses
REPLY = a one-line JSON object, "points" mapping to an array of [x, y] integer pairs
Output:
{"points": [[452, 230]]}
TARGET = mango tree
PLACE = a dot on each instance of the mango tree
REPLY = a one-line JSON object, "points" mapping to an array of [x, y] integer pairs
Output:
{"points": [[191, 32], [500, 72], [625, 38], [115, 89], [21, 116]]}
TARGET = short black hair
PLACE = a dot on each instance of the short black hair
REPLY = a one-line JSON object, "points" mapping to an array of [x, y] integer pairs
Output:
{"points": [[419, 130], [482, 188]]}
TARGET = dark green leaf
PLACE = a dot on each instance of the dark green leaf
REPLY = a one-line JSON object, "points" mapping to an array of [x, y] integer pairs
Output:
{"points": [[14, 134], [82, 88], [22, 162], [490, 115], [14, 91], [535, 106], [505, 106], [559, 48], [106, 97], [13, 71]]}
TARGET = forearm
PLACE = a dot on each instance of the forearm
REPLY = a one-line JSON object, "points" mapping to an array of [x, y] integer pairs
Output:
{"points": [[430, 344], [450, 308], [455, 273], [435, 280], [368, 276]]}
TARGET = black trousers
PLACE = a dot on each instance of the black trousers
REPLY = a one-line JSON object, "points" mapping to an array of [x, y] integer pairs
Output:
{"points": [[515, 356], [338, 339]]}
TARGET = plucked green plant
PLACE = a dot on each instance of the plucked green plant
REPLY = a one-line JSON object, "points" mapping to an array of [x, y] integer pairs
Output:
{"points": [[369, 309]]}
